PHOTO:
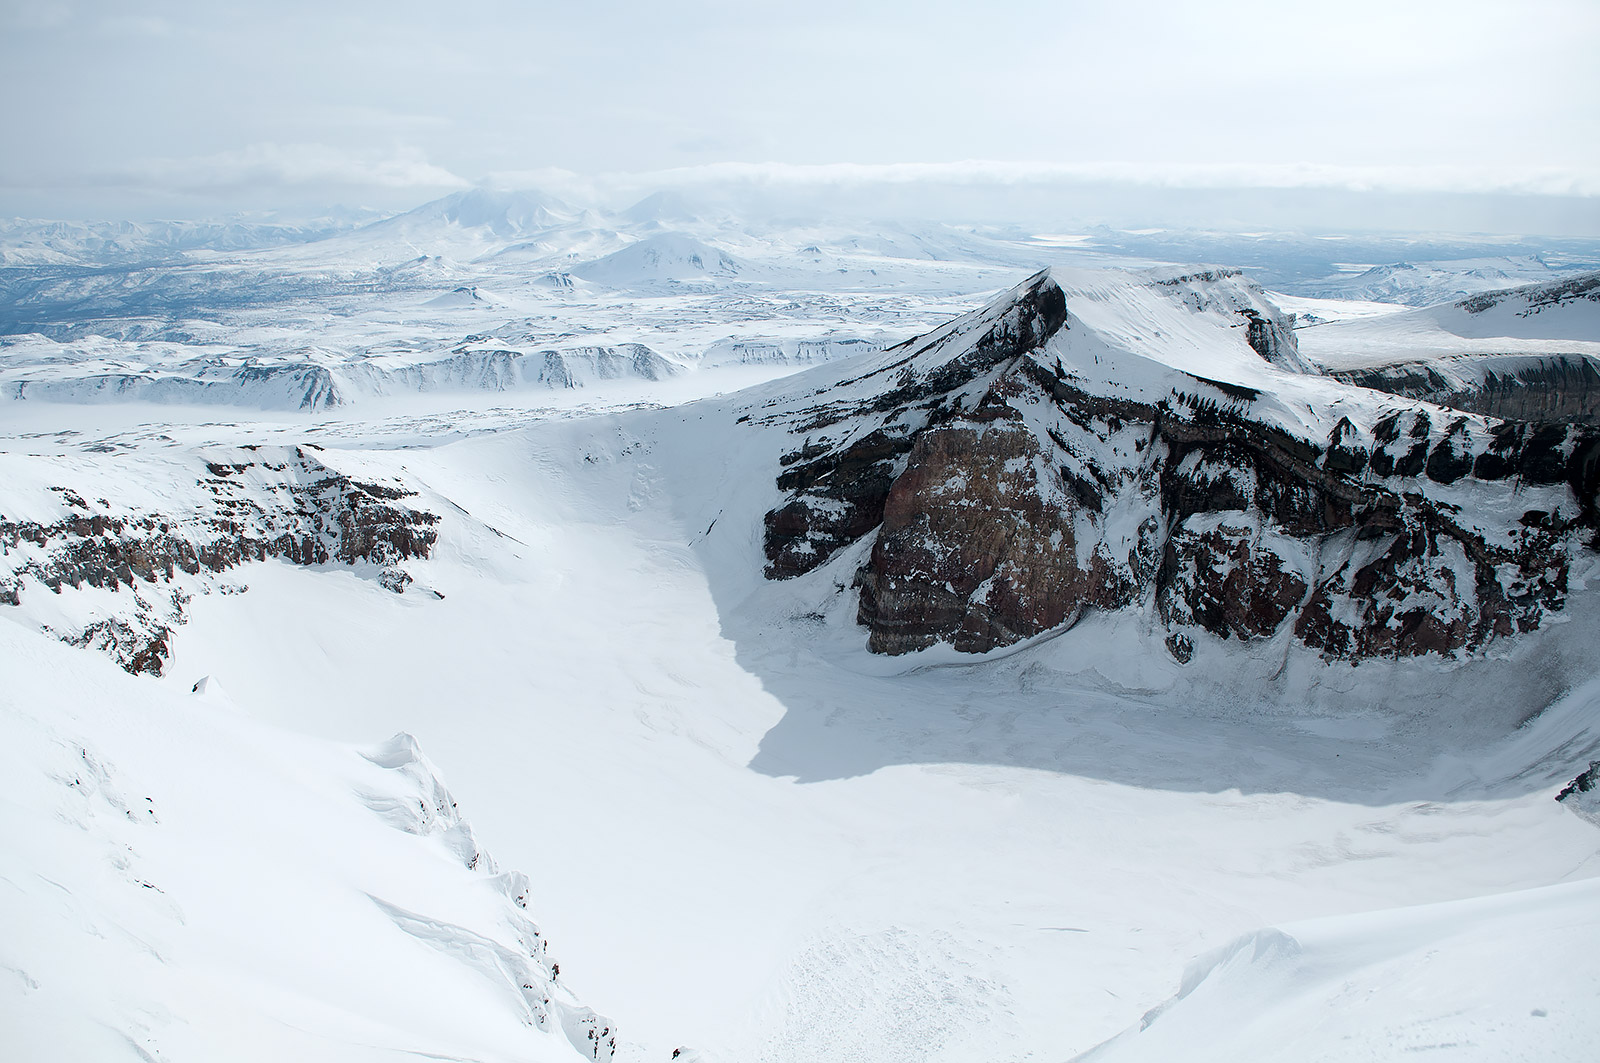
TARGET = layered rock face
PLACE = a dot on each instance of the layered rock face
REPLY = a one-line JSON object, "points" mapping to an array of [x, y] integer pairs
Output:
{"points": [[249, 504], [971, 551], [1527, 354], [840, 482], [1527, 388], [1017, 468]]}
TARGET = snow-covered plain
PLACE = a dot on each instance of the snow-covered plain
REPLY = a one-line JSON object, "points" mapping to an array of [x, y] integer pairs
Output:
{"points": [[516, 292], [743, 834]]}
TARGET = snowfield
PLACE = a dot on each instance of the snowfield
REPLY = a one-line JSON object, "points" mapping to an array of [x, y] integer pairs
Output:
{"points": [[736, 831], [184, 882]]}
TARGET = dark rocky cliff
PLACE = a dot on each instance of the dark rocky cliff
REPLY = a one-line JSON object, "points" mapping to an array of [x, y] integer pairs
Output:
{"points": [[1005, 496], [1527, 388]]}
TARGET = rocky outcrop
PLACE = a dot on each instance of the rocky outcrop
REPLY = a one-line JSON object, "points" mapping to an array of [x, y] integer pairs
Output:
{"points": [[971, 552], [1582, 794], [251, 504], [1268, 330], [839, 482], [1011, 495]]}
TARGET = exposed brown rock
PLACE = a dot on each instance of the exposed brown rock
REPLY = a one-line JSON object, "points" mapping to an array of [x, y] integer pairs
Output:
{"points": [[973, 552], [319, 516], [1226, 581], [838, 491]]}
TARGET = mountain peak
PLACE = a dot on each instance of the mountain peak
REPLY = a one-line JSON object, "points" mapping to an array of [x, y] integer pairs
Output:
{"points": [[665, 257]]}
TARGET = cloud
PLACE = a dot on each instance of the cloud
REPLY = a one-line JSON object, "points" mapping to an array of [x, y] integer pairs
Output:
{"points": [[1472, 180], [46, 15], [268, 166]]}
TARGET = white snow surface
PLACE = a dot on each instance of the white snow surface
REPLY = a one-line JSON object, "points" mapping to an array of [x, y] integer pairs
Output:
{"points": [[744, 835], [1520, 321], [1459, 980], [183, 881]]}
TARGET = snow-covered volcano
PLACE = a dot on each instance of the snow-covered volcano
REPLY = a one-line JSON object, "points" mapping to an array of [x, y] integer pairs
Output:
{"points": [[504, 215], [659, 259], [639, 643]]}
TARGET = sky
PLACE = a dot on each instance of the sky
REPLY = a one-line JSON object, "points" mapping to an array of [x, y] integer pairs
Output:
{"points": [[1490, 111]]}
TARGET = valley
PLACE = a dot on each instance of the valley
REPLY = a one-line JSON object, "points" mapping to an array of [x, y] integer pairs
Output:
{"points": [[876, 677]]}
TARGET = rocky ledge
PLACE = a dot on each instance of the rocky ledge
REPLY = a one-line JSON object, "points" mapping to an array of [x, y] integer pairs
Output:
{"points": [[1016, 469], [248, 504]]}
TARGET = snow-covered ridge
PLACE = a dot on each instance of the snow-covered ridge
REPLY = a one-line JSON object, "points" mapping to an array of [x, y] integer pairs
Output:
{"points": [[311, 379], [1527, 300], [108, 553]]}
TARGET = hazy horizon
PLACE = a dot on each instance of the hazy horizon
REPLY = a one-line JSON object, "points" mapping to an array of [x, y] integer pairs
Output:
{"points": [[1424, 116]]}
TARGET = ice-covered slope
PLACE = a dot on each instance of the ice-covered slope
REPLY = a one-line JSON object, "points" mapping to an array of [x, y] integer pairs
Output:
{"points": [[185, 883]]}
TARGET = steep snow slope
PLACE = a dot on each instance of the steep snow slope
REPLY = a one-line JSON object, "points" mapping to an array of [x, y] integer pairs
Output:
{"points": [[183, 882]]}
